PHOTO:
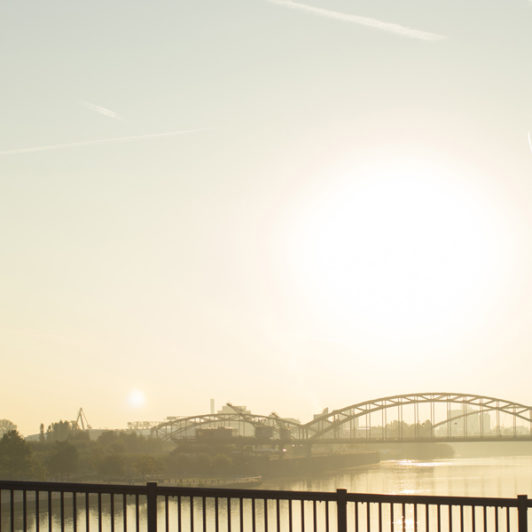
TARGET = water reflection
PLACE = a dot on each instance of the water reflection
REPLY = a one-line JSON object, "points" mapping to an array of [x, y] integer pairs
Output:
{"points": [[488, 477], [46, 513]]}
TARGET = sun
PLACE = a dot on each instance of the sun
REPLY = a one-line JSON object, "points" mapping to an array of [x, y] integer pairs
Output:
{"points": [[400, 248], [136, 398]]}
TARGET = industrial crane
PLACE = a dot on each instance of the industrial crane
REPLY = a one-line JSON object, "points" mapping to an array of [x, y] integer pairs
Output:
{"points": [[81, 422]]}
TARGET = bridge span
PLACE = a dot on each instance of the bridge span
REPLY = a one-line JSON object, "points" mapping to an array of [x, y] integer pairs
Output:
{"points": [[416, 417]]}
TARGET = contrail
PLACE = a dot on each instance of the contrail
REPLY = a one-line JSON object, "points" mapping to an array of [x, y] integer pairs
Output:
{"points": [[101, 110], [530, 140], [403, 31], [99, 141]]}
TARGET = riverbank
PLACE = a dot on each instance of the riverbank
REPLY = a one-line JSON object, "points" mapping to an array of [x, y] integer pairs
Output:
{"points": [[213, 482], [413, 450], [310, 465]]}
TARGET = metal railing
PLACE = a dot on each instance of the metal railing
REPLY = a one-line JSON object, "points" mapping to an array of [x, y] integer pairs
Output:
{"points": [[53, 506]]}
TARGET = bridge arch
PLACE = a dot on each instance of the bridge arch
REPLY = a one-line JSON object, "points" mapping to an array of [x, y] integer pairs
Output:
{"points": [[331, 422], [181, 427]]}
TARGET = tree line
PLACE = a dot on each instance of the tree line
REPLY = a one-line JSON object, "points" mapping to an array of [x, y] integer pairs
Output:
{"points": [[68, 455]]}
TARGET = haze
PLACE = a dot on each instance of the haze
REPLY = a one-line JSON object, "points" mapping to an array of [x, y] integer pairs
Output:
{"points": [[287, 205]]}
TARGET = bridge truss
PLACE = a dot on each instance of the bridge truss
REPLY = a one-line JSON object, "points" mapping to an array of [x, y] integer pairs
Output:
{"points": [[465, 414], [244, 424], [437, 416]]}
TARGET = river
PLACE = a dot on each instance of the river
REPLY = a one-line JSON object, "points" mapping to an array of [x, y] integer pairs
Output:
{"points": [[501, 476]]}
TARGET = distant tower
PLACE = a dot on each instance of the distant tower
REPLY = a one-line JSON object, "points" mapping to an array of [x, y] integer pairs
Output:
{"points": [[212, 406]]}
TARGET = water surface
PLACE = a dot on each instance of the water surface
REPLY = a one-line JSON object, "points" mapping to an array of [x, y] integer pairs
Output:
{"points": [[485, 477]]}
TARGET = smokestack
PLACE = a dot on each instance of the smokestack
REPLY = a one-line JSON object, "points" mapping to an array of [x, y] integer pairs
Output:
{"points": [[212, 406]]}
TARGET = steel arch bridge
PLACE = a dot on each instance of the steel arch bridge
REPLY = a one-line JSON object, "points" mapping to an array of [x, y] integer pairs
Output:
{"points": [[432, 416], [176, 429], [343, 423]]}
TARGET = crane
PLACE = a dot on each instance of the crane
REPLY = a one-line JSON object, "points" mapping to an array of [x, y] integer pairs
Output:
{"points": [[81, 422]]}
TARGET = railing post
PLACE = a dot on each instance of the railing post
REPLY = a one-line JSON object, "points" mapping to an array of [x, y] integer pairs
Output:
{"points": [[151, 496], [341, 509], [522, 513]]}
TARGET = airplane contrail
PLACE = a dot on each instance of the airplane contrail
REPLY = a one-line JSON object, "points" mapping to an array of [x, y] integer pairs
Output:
{"points": [[101, 110], [403, 31], [100, 141], [530, 140]]}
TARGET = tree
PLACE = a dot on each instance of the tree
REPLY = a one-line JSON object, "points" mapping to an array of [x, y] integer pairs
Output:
{"points": [[6, 426], [112, 466], [146, 465], [59, 431], [63, 461], [15, 456]]}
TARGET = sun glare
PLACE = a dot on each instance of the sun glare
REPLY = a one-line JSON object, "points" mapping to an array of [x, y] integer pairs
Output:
{"points": [[398, 249], [136, 398]]}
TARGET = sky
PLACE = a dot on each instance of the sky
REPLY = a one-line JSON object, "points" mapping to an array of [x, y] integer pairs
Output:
{"points": [[288, 205]]}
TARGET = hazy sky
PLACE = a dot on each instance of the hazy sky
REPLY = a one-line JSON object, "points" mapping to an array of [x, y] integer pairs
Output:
{"points": [[288, 205]]}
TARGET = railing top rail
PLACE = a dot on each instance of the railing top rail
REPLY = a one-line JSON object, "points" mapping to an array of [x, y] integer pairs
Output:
{"points": [[128, 489], [142, 489], [332, 496], [248, 493], [433, 500]]}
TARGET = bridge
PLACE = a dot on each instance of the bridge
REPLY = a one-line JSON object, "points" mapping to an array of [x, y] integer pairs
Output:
{"points": [[416, 417]]}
